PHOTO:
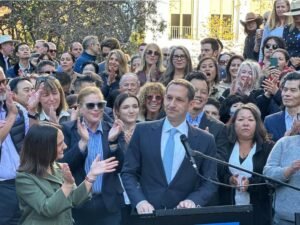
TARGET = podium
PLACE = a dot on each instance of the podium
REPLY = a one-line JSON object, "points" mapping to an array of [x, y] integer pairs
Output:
{"points": [[231, 214]]}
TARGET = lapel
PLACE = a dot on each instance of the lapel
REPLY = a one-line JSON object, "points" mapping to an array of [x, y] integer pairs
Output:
{"points": [[204, 122], [281, 122]]}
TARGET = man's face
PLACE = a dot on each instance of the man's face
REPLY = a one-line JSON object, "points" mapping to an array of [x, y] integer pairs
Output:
{"points": [[23, 92], [76, 49], [39, 47], [47, 69], [3, 83], [95, 47], [291, 94], [130, 85], [201, 94], [105, 51], [207, 51], [7, 48], [23, 52], [52, 50], [176, 103]]}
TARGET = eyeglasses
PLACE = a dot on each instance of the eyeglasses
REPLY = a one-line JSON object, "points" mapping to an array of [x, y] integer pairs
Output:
{"points": [[223, 62], [150, 52], [95, 105], [4, 81], [166, 55], [178, 57], [157, 98], [268, 46], [52, 50]]}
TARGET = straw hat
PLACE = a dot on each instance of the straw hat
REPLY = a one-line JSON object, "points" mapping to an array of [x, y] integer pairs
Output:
{"points": [[6, 38], [295, 8], [252, 17]]}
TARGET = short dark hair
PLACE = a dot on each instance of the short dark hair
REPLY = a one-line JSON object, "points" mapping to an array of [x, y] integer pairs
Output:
{"points": [[111, 43], [39, 149], [63, 78], [95, 65], [18, 46], [216, 80], [186, 84], [13, 83], [198, 75], [120, 99], [279, 41], [284, 52], [213, 101], [43, 63], [214, 43], [290, 76]]}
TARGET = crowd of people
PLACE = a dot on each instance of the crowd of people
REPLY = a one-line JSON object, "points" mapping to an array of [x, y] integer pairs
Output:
{"points": [[91, 142]]}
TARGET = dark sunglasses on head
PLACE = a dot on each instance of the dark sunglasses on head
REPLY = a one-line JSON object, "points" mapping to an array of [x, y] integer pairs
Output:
{"points": [[150, 52], [154, 97], [4, 81], [268, 46], [93, 105]]}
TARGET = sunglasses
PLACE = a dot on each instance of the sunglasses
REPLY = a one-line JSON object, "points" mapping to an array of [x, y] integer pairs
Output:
{"points": [[4, 81], [268, 46], [178, 57], [150, 52], [43, 79], [95, 105], [166, 55], [154, 97], [52, 50]]}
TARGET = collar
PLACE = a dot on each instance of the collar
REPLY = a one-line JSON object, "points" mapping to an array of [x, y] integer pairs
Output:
{"points": [[99, 128], [287, 115], [197, 119], [182, 128], [44, 116]]}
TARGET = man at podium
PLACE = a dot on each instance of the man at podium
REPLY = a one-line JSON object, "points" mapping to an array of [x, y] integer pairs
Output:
{"points": [[156, 174]]}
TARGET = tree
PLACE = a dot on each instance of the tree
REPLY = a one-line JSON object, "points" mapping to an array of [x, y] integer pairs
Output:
{"points": [[66, 21]]}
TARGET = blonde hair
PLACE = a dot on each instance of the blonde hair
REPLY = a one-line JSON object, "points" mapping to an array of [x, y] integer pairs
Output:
{"points": [[123, 65], [88, 91], [159, 64], [274, 21]]}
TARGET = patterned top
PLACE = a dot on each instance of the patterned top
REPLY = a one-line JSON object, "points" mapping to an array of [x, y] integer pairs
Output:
{"points": [[292, 40]]}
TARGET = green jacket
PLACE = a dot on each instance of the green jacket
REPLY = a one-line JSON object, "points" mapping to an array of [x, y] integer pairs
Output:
{"points": [[42, 201]]}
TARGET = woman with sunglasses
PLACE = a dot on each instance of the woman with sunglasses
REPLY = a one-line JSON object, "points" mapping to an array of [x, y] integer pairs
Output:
{"points": [[270, 44], [85, 138], [115, 66], [151, 101], [180, 64], [48, 102], [276, 22], [152, 67]]}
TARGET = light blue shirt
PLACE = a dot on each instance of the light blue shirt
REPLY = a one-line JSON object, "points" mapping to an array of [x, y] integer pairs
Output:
{"points": [[179, 151], [289, 120], [10, 159], [196, 121]]}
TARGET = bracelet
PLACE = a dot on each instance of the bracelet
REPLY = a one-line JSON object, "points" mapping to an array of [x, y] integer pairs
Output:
{"points": [[89, 180]]}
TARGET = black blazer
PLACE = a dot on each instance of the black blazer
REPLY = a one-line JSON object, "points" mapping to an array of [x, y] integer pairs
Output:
{"points": [[259, 197], [143, 173], [111, 187]]}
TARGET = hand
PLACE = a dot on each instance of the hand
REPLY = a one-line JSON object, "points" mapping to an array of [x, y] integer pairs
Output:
{"points": [[116, 129], [112, 74], [186, 204], [295, 166], [144, 207], [52, 115], [295, 61], [270, 86], [102, 166], [10, 104], [234, 180], [2, 123], [74, 113], [34, 99], [67, 175], [244, 184], [151, 76], [233, 87], [82, 131], [294, 130]]}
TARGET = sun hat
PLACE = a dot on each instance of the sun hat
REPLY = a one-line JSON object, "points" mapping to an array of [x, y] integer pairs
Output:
{"points": [[6, 38], [295, 8], [252, 17]]}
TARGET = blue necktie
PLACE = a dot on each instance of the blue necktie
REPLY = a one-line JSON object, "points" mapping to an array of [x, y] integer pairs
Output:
{"points": [[169, 155]]}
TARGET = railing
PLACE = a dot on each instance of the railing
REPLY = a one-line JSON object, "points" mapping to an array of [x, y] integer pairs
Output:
{"points": [[181, 32]]}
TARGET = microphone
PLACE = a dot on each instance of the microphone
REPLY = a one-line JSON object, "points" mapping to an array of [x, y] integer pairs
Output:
{"points": [[188, 151]]}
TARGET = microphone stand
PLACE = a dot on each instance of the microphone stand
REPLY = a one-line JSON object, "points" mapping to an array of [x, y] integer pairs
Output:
{"points": [[198, 153]]}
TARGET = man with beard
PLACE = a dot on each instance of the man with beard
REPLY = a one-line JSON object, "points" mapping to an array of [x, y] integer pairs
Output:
{"points": [[6, 50], [14, 123]]}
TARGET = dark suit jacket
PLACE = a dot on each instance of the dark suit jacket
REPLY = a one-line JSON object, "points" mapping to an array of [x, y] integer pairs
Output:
{"points": [[2, 63], [143, 173], [275, 125], [218, 130], [111, 187]]}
